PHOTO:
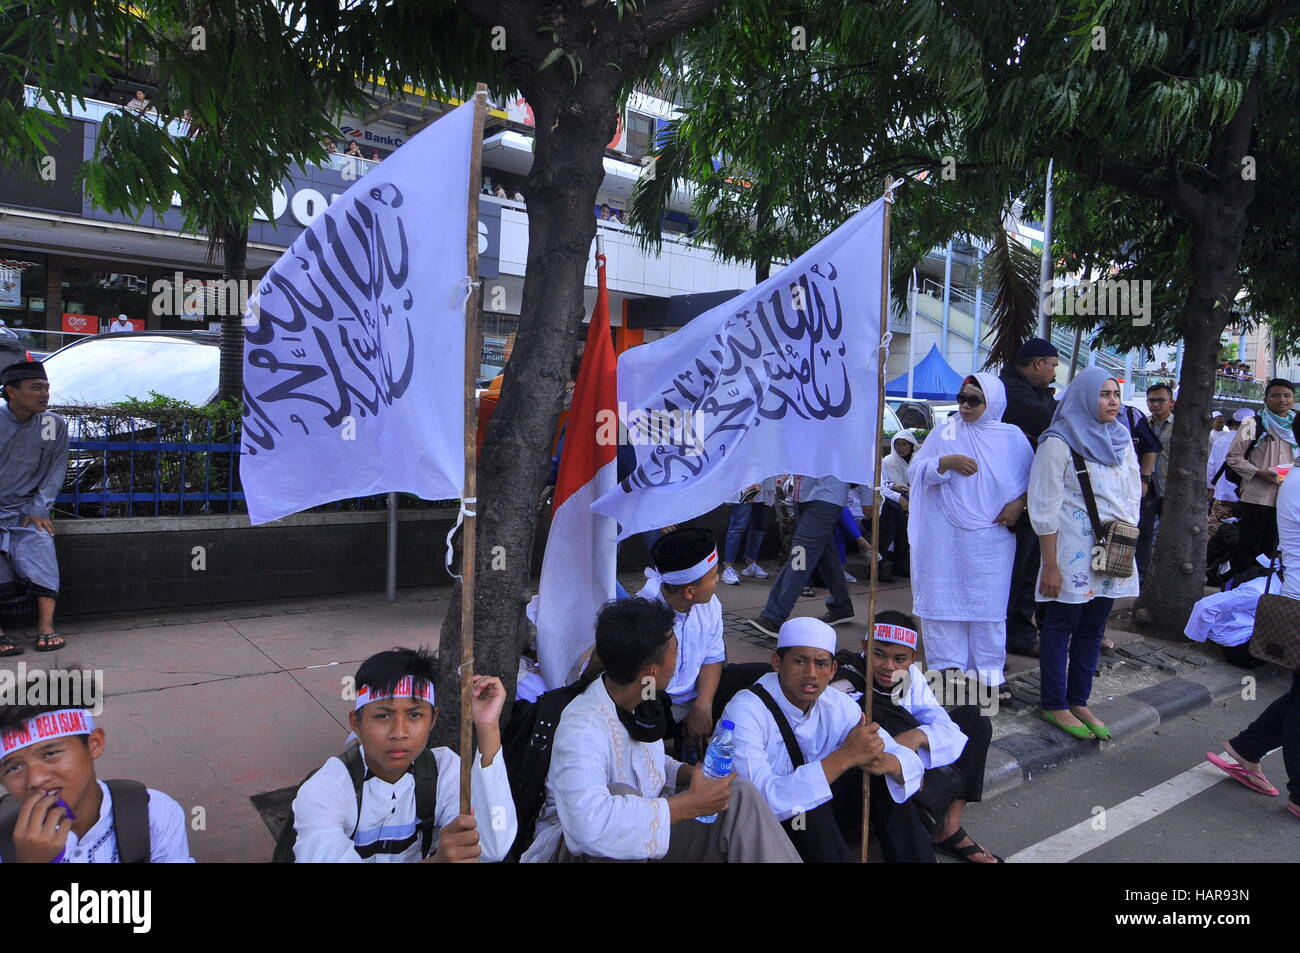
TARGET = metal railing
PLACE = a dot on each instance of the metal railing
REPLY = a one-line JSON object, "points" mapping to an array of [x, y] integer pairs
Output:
{"points": [[168, 465]]}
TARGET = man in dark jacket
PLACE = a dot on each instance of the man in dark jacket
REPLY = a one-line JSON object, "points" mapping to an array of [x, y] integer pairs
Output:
{"points": [[1030, 406]]}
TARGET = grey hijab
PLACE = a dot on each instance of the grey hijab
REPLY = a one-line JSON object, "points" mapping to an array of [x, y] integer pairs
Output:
{"points": [[1076, 421]]}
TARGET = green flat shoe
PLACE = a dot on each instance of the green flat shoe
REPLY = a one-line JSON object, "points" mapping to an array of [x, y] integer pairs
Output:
{"points": [[1101, 731], [1078, 731]]}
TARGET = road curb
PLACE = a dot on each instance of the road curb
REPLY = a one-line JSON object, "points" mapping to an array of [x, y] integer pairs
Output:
{"points": [[1017, 758]]}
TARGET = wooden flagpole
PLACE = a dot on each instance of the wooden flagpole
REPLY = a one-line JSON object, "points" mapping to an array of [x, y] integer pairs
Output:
{"points": [[869, 641], [469, 502]]}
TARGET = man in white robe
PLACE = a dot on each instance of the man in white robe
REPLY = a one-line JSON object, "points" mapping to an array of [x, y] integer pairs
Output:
{"points": [[804, 748]]}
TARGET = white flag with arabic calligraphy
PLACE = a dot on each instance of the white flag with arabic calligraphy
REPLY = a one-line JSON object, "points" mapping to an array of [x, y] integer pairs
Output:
{"points": [[354, 346], [780, 379]]}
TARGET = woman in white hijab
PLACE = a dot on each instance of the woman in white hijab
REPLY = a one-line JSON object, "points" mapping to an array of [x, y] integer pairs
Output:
{"points": [[1073, 600], [968, 484]]}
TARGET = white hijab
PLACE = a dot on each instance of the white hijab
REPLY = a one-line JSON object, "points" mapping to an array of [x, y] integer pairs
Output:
{"points": [[1000, 449], [894, 466]]}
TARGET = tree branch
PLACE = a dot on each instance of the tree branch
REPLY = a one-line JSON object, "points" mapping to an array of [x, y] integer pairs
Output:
{"points": [[663, 19]]}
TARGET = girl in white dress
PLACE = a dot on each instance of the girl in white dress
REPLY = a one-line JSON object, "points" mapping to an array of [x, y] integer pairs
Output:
{"points": [[1074, 601], [967, 489]]}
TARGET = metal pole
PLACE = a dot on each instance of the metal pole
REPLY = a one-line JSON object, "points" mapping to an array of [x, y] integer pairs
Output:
{"points": [[947, 297], [911, 344], [869, 641], [392, 547], [1128, 375], [1045, 264]]}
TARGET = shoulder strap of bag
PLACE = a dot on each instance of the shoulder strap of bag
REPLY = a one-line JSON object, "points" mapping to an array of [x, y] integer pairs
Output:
{"points": [[787, 733], [9, 808], [356, 765], [131, 820], [426, 797], [1090, 501]]}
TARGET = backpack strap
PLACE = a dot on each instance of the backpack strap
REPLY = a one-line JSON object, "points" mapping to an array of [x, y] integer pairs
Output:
{"points": [[783, 725], [425, 769], [356, 765], [9, 808], [131, 821]]}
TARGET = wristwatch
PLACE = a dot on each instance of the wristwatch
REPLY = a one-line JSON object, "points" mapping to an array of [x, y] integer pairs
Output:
{"points": [[1146, 478]]}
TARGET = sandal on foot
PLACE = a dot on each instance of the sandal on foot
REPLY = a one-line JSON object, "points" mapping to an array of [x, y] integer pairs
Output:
{"points": [[50, 642], [949, 847], [1293, 808], [8, 647], [1252, 779], [1101, 731], [808, 592]]}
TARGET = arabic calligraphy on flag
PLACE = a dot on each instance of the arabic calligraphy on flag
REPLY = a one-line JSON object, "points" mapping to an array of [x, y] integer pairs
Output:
{"points": [[354, 343], [781, 379]]}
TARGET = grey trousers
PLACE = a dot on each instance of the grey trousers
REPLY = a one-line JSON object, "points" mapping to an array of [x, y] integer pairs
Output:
{"points": [[27, 561], [747, 832]]}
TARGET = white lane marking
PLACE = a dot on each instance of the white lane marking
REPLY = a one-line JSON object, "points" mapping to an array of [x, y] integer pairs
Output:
{"points": [[1082, 837]]}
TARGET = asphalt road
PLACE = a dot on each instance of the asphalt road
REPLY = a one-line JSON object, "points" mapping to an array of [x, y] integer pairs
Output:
{"points": [[1150, 799]]}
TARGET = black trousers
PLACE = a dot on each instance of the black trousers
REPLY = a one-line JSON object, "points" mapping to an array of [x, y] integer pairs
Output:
{"points": [[1256, 534], [978, 729], [893, 532], [903, 836], [1278, 725], [1150, 509], [1022, 627]]}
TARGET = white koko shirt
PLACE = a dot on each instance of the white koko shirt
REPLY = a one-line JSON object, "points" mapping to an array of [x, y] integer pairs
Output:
{"points": [[168, 834], [763, 760], [699, 643], [325, 812], [593, 750]]}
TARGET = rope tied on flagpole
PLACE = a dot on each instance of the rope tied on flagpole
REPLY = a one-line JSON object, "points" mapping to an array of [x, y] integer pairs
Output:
{"points": [[885, 339], [470, 285], [460, 520]]}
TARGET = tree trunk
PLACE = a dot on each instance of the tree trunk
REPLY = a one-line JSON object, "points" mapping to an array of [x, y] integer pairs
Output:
{"points": [[1177, 572], [573, 125], [234, 244]]}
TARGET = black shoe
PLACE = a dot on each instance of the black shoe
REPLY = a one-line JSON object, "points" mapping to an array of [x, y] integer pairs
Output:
{"points": [[885, 571], [765, 625], [835, 618]]}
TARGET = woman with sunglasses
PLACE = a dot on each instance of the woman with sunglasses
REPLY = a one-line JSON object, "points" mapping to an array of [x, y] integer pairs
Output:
{"points": [[967, 489], [1073, 600]]}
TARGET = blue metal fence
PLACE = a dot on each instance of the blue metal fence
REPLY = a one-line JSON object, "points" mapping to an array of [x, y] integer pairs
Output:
{"points": [[120, 465]]}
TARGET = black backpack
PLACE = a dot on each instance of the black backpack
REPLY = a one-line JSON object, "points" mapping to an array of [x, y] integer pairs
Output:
{"points": [[425, 769], [130, 822], [526, 745]]}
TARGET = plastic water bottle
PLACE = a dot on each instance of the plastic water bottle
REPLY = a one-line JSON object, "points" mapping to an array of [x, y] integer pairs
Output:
{"points": [[718, 759]]}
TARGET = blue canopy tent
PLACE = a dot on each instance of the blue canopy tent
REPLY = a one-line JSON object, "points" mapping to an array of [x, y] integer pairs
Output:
{"points": [[935, 379]]}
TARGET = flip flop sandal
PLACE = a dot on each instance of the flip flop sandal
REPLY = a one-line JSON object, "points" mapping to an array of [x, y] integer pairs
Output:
{"points": [[43, 642], [1251, 779], [808, 592], [8, 647], [1293, 808], [949, 847]]}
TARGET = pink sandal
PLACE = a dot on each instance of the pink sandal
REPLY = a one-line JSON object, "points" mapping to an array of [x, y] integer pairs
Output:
{"points": [[1251, 779], [1293, 808]]}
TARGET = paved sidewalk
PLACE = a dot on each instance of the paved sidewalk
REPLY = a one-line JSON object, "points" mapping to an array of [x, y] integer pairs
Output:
{"points": [[215, 706]]}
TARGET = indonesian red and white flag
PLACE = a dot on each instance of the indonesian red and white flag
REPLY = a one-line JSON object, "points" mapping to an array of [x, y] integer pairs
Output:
{"points": [[578, 567]]}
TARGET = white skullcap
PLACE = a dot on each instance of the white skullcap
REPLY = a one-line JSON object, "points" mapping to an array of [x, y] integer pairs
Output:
{"points": [[1215, 413], [805, 630], [1242, 415], [121, 317]]}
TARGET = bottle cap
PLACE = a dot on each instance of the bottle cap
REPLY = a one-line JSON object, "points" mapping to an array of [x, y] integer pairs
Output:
{"points": [[729, 725]]}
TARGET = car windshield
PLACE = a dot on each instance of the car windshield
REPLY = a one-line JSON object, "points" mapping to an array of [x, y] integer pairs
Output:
{"points": [[110, 369]]}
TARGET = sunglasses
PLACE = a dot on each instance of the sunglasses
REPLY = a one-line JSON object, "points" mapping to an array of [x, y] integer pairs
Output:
{"points": [[970, 400]]}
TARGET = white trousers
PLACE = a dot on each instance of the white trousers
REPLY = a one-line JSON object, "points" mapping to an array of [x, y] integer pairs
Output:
{"points": [[973, 647]]}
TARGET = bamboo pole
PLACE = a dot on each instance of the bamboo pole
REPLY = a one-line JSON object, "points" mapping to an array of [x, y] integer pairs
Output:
{"points": [[869, 641], [469, 503]]}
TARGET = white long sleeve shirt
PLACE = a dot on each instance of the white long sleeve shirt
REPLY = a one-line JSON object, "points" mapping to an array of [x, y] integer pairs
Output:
{"points": [[592, 750], [699, 643], [763, 759], [946, 740], [325, 812], [168, 834]]}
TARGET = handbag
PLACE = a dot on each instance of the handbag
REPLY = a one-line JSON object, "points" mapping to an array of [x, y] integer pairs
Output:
{"points": [[1115, 541], [1276, 637]]}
